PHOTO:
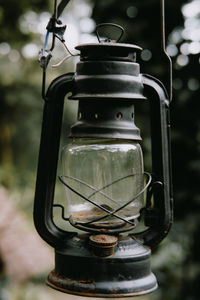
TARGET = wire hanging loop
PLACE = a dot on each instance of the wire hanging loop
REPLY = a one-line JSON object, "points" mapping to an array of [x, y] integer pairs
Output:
{"points": [[107, 39], [55, 27], [108, 211]]}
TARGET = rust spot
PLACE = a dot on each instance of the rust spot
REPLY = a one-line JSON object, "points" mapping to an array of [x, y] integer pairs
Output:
{"points": [[65, 284], [102, 238], [103, 244]]}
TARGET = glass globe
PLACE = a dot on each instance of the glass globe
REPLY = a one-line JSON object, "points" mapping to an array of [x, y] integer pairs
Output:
{"points": [[102, 175]]}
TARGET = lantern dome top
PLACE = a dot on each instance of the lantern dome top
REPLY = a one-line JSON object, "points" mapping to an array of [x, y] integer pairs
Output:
{"points": [[110, 45], [108, 51]]}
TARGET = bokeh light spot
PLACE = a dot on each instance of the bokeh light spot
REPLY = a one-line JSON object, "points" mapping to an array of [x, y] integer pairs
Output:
{"points": [[30, 50], [146, 55], [132, 12], [177, 84], [193, 84], [4, 48], [182, 60], [172, 50]]}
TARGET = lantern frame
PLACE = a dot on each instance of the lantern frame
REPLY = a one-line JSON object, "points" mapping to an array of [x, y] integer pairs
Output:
{"points": [[130, 256], [159, 218]]}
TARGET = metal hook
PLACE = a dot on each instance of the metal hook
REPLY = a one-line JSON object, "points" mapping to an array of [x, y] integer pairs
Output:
{"points": [[45, 55], [109, 24]]}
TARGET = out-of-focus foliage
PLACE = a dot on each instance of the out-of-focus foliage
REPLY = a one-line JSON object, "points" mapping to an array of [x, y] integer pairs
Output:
{"points": [[176, 262], [20, 93], [23, 25]]}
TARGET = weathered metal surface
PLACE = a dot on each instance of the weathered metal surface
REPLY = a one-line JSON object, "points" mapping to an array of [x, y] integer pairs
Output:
{"points": [[106, 119], [103, 240], [109, 51], [110, 228], [59, 282], [125, 273], [106, 82], [88, 289], [107, 71], [103, 245]]}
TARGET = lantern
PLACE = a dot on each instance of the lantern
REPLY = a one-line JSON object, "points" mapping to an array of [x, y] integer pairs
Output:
{"points": [[107, 189]]}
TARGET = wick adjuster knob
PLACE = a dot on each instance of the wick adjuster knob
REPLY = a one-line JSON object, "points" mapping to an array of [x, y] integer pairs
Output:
{"points": [[102, 244]]}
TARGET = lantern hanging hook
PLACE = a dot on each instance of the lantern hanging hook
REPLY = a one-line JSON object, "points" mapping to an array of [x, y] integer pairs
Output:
{"points": [[107, 39], [55, 27]]}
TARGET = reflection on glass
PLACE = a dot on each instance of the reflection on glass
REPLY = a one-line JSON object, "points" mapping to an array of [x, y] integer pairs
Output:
{"points": [[108, 173]]}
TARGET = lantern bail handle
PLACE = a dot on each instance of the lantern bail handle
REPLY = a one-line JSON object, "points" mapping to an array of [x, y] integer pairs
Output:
{"points": [[160, 218], [48, 160], [107, 39]]}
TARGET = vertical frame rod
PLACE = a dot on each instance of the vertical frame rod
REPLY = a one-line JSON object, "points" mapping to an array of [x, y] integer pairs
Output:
{"points": [[163, 47]]}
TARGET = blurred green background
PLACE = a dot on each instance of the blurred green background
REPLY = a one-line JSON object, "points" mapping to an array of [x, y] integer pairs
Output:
{"points": [[176, 262]]}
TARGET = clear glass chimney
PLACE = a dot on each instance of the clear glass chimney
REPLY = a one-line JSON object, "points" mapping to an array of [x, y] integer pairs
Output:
{"points": [[108, 172]]}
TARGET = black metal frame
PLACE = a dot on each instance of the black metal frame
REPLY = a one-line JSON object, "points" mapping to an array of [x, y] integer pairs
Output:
{"points": [[48, 160], [159, 218]]}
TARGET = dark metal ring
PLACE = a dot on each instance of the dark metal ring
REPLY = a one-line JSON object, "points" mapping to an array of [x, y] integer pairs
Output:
{"points": [[93, 229]]}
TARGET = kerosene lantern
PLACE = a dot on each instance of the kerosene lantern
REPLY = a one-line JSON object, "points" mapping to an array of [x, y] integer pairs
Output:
{"points": [[103, 174]]}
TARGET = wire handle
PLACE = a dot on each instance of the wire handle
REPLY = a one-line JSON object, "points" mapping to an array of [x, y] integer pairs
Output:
{"points": [[109, 212], [55, 27], [112, 25]]}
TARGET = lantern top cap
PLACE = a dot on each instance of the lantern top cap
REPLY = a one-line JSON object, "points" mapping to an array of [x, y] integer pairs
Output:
{"points": [[108, 51], [130, 47]]}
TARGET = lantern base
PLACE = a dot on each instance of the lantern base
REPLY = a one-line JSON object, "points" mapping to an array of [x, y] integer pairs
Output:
{"points": [[125, 273]]}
